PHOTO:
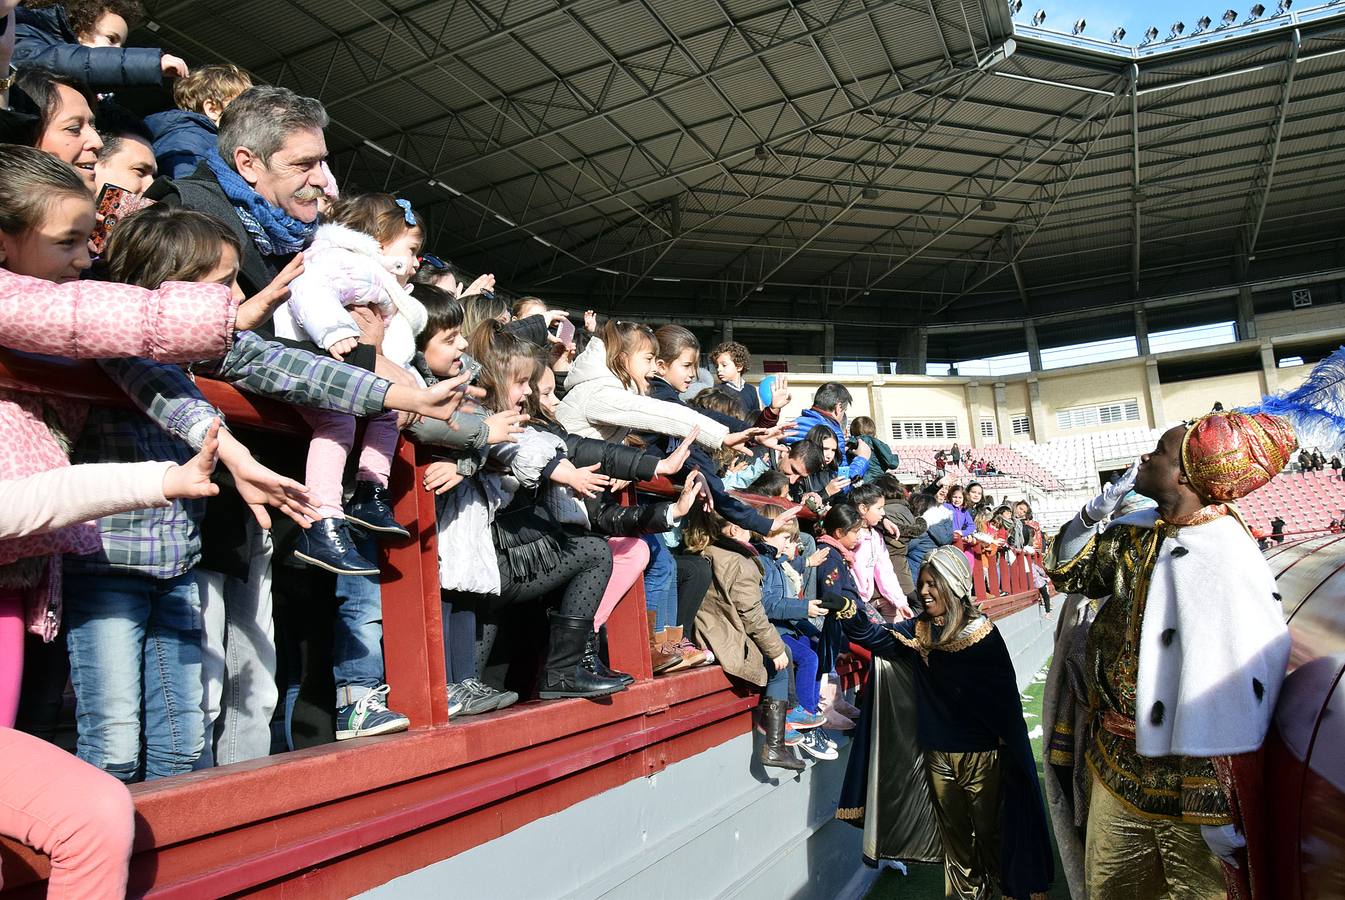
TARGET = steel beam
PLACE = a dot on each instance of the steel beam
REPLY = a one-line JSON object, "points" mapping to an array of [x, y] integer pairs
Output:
{"points": [[1268, 175]]}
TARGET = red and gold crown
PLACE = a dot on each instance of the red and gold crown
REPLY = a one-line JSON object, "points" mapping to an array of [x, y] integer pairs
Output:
{"points": [[1227, 455]]}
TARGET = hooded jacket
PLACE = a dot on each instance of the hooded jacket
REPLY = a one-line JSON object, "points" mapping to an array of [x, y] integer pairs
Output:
{"points": [[182, 140], [43, 37]]}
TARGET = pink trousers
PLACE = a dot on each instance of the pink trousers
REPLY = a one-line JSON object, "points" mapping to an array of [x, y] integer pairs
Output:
{"points": [[80, 816], [333, 438], [11, 655], [630, 557]]}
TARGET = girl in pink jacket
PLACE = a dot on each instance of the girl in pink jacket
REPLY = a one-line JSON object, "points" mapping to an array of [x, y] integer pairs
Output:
{"points": [[874, 576], [362, 256], [46, 215]]}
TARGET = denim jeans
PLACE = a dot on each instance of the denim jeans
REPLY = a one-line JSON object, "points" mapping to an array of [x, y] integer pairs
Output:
{"points": [[238, 657], [660, 583], [135, 661], [779, 686], [357, 649]]}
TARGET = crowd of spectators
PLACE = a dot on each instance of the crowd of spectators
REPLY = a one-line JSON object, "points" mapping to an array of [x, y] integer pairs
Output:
{"points": [[183, 573]]}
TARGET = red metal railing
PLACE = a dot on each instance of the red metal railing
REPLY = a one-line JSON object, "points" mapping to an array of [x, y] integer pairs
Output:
{"points": [[341, 818]]}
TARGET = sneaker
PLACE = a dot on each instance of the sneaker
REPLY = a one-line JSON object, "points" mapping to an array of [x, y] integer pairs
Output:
{"points": [[501, 699], [816, 746], [471, 701], [368, 716], [837, 722], [326, 544], [370, 509], [454, 706], [827, 738], [793, 737], [801, 719], [846, 708]]}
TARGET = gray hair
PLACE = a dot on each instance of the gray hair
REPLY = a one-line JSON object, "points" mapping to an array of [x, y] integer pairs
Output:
{"points": [[830, 394], [262, 117]]}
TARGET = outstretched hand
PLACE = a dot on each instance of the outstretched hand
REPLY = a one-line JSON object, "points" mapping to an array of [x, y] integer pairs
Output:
{"points": [[675, 461], [258, 308], [192, 479], [260, 487]]}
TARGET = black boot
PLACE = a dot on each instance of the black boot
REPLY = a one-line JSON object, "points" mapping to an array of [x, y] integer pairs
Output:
{"points": [[371, 509], [570, 654], [773, 750], [598, 650]]}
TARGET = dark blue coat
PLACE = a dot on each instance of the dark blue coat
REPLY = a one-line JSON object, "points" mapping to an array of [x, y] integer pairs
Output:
{"points": [[730, 507], [182, 139], [42, 37]]}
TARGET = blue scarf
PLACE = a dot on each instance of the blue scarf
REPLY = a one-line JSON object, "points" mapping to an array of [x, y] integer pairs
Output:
{"points": [[271, 229]]}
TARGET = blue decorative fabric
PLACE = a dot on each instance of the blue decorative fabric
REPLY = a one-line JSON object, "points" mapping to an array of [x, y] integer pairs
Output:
{"points": [[1316, 408], [272, 230]]}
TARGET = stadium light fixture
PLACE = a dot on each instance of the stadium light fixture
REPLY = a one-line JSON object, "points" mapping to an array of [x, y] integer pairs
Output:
{"points": [[1118, 35], [761, 151], [1256, 12], [1283, 7], [1038, 17], [988, 205], [1149, 36], [1201, 24], [1015, 7], [1079, 26], [1229, 17], [869, 193], [1176, 30]]}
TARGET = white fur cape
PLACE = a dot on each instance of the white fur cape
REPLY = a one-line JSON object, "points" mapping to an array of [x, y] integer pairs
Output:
{"points": [[1213, 644]]}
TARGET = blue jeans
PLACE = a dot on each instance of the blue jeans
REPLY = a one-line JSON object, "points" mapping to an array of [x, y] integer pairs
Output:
{"points": [[805, 670], [660, 583], [135, 661], [357, 651], [778, 683]]}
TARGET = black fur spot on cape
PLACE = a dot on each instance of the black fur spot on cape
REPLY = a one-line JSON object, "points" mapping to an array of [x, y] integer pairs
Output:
{"points": [[1168, 635], [1258, 689], [1180, 551], [1156, 714]]}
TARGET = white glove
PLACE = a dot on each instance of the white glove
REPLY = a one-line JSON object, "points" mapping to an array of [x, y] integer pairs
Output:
{"points": [[1105, 503], [1223, 840]]}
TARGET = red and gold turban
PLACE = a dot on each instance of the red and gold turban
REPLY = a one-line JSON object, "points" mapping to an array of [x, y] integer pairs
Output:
{"points": [[1227, 455]]}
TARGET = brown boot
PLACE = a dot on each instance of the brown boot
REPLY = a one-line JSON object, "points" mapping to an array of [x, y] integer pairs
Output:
{"points": [[692, 656], [661, 657], [774, 753]]}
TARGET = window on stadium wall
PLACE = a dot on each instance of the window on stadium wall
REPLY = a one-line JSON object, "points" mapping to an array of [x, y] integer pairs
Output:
{"points": [[924, 430], [1194, 336], [988, 428], [1021, 427], [854, 367], [1114, 413]]}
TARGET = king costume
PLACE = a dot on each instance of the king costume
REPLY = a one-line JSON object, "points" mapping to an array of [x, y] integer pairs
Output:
{"points": [[1172, 685]]}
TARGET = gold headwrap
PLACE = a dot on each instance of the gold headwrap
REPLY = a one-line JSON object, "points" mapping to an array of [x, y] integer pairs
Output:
{"points": [[1227, 455]]}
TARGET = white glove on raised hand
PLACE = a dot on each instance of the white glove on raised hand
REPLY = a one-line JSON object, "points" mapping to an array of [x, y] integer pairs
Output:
{"points": [[1105, 503], [1223, 840]]}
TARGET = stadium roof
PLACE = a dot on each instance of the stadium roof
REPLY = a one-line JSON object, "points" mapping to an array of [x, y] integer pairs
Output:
{"points": [[870, 161]]}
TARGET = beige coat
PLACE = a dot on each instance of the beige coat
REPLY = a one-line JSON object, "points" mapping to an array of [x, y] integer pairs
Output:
{"points": [[732, 620]]}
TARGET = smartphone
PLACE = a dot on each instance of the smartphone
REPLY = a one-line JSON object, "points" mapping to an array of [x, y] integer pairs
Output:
{"points": [[472, 367], [113, 204], [563, 330]]}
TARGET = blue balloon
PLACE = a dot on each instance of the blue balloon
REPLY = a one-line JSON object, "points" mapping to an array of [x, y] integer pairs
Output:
{"points": [[766, 390]]}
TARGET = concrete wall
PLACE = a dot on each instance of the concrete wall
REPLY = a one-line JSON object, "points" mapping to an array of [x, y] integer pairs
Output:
{"points": [[1184, 400], [1089, 386], [716, 825]]}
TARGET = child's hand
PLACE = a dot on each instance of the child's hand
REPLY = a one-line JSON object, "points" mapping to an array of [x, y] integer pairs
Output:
{"points": [[771, 438], [504, 427], [590, 321], [483, 284], [342, 347], [586, 481], [781, 662], [172, 67], [441, 400], [739, 440], [191, 480], [442, 477], [785, 518], [257, 309], [780, 393], [371, 325], [818, 557], [863, 450], [816, 609], [889, 526], [676, 460], [260, 487], [690, 491]]}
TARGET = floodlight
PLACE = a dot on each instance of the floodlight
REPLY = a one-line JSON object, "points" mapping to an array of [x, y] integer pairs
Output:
{"points": [[1015, 6], [761, 151], [1118, 35], [1283, 7], [869, 193], [1038, 17], [987, 205], [1256, 12], [1229, 17], [1079, 26], [1201, 24], [1176, 30], [1149, 36]]}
